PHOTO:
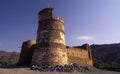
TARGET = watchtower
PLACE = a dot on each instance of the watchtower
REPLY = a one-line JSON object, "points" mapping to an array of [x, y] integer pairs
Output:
{"points": [[50, 47]]}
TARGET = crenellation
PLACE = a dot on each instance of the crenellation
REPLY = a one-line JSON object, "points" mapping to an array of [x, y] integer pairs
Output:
{"points": [[58, 19], [55, 18]]}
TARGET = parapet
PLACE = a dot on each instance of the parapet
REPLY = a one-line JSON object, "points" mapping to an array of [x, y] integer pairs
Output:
{"points": [[80, 55], [58, 19], [85, 46]]}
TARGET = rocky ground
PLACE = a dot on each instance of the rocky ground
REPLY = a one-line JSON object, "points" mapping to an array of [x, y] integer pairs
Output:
{"points": [[29, 71]]}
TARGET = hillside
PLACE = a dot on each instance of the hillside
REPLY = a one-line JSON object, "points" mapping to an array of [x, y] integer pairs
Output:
{"points": [[106, 56], [9, 56]]}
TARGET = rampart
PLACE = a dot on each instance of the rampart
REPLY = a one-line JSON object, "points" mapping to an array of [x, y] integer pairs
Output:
{"points": [[79, 55]]}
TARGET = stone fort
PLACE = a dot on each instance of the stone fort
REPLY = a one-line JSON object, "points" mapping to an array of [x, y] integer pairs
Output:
{"points": [[49, 47]]}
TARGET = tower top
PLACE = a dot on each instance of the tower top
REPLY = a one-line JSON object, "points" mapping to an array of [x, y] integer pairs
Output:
{"points": [[45, 10], [45, 13]]}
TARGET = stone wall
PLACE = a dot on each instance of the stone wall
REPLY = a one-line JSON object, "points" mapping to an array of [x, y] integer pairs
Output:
{"points": [[51, 54], [54, 54], [51, 30], [79, 55]]}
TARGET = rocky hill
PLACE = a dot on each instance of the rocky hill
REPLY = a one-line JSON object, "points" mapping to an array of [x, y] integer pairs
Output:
{"points": [[106, 56], [106, 53], [9, 56]]}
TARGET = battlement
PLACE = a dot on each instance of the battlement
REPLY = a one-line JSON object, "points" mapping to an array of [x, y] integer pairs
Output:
{"points": [[46, 15], [55, 18], [58, 19]]}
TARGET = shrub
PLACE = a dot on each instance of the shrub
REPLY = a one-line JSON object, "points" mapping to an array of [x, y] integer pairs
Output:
{"points": [[6, 63]]}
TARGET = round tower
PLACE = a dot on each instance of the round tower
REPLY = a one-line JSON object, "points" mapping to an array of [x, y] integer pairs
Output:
{"points": [[27, 52], [50, 48]]}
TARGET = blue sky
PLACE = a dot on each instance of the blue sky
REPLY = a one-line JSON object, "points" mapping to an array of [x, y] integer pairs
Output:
{"points": [[86, 21]]}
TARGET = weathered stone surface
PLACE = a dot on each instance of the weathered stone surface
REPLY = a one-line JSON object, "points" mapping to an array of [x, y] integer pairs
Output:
{"points": [[50, 48], [80, 55], [27, 52]]}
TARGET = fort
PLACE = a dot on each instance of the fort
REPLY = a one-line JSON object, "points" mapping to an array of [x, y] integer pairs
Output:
{"points": [[49, 47]]}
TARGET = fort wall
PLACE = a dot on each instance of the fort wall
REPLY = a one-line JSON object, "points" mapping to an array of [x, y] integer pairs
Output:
{"points": [[52, 54], [79, 56]]}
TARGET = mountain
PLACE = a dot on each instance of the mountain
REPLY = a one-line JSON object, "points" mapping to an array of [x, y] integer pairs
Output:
{"points": [[106, 53], [106, 56], [9, 56]]}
